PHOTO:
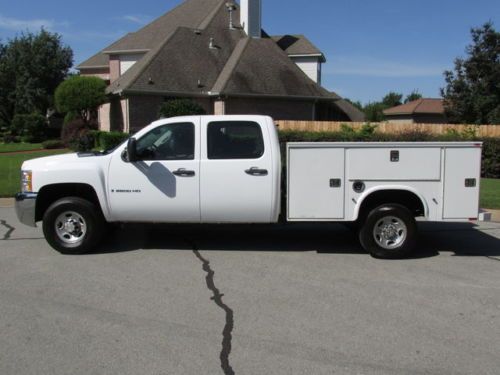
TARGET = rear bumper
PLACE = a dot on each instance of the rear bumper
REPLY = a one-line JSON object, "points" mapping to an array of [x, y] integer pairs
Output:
{"points": [[25, 208]]}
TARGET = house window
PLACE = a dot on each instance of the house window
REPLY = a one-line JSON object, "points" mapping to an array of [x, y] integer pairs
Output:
{"points": [[168, 142], [235, 140]]}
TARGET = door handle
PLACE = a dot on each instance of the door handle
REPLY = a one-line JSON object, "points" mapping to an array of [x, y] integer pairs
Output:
{"points": [[182, 172], [255, 171]]}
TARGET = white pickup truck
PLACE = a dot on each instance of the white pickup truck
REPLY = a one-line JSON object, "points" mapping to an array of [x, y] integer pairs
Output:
{"points": [[227, 169]]}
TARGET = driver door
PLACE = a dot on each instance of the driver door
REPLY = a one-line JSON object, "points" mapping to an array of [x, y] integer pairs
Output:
{"points": [[164, 184]]}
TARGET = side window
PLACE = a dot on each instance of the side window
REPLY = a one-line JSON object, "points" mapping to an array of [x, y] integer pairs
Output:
{"points": [[235, 140], [168, 142]]}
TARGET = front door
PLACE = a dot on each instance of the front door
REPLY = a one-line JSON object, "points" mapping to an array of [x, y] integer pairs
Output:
{"points": [[236, 172], [164, 185]]}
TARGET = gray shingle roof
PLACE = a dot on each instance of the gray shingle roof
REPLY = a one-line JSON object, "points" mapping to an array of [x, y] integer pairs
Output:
{"points": [[297, 45], [191, 13]]}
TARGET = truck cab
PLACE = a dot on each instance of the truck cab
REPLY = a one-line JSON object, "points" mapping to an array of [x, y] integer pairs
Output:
{"points": [[198, 170]]}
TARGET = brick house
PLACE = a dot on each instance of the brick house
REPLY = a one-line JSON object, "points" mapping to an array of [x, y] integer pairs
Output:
{"points": [[216, 53], [420, 111]]}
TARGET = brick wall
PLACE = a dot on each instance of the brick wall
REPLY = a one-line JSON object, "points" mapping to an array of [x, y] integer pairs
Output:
{"points": [[276, 108]]}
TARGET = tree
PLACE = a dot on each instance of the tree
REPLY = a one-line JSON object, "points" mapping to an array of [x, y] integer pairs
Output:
{"points": [[357, 104], [180, 107], [472, 92], [392, 99], [415, 95], [81, 96], [31, 67], [374, 112]]}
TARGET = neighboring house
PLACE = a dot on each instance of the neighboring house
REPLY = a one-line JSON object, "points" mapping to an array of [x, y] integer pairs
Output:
{"points": [[421, 111], [209, 51]]}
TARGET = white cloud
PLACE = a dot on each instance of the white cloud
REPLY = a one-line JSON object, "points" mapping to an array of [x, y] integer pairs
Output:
{"points": [[371, 67], [15, 24]]}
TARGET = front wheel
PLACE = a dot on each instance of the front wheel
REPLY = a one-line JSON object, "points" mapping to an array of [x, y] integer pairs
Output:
{"points": [[389, 232], [73, 225]]}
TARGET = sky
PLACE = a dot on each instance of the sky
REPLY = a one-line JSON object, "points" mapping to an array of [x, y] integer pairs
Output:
{"points": [[372, 46]]}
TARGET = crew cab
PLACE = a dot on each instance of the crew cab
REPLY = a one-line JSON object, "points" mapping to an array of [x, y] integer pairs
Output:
{"points": [[228, 169]]}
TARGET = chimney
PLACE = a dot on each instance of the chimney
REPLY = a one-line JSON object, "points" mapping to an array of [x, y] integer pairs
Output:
{"points": [[251, 17]]}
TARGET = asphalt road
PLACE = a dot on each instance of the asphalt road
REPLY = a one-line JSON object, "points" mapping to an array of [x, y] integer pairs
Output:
{"points": [[249, 300]]}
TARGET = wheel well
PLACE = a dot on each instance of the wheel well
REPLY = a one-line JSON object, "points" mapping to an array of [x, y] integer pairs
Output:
{"points": [[402, 197], [51, 193]]}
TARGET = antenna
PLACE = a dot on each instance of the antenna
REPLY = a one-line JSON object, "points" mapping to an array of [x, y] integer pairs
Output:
{"points": [[231, 7]]}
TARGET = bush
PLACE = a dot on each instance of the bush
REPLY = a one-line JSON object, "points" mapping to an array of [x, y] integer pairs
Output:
{"points": [[9, 138], [32, 128], [109, 140], [53, 144], [180, 107], [78, 135], [79, 97], [491, 146], [490, 167]]}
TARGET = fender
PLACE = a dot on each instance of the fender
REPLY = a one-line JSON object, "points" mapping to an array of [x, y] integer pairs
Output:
{"points": [[375, 189]]}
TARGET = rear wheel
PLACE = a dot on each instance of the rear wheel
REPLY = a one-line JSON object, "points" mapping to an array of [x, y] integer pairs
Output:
{"points": [[73, 225], [389, 232]]}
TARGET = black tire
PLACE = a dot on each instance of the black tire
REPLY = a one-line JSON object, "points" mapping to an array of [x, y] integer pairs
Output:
{"points": [[389, 232], [73, 225]]}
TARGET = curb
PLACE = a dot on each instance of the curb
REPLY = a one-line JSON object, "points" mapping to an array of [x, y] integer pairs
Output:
{"points": [[6, 202]]}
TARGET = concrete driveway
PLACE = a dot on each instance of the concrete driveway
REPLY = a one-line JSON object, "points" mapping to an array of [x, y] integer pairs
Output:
{"points": [[249, 300]]}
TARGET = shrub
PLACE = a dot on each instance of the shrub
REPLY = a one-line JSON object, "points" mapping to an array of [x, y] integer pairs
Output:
{"points": [[8, 138], [78, 135], [53, 144], [180, 107], [490, 167], [32, 128], [109, 140], [79, 97]]}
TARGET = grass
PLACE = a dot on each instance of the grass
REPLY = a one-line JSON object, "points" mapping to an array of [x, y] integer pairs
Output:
{"points": [[490, 193], [10, 166], [16, 147]]}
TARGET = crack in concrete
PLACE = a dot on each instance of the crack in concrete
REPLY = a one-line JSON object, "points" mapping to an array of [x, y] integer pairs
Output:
{"points": [[217, 298], [10, 229]]}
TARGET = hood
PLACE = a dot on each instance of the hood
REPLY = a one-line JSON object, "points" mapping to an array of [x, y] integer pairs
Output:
{"points": [[63, 160]]}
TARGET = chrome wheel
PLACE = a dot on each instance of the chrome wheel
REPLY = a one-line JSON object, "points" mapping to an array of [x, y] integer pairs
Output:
{"points": [[390, 232], [70, 227]]}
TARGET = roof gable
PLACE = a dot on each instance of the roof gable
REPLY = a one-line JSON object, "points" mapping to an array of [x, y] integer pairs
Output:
{"points": [[419, 106], [297, 45], [264, 69]]}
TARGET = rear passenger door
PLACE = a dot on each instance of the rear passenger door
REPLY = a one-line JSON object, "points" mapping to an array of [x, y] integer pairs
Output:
{"points": [[235, 172]]}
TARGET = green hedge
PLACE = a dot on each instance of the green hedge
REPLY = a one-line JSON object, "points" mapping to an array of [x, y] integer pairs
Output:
{"points": [[491, 146], [109, 140]]}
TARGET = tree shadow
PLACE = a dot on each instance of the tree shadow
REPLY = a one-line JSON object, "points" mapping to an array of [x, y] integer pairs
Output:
{"points": [[434, 238]]}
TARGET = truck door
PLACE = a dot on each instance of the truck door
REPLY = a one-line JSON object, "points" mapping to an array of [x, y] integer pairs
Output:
{"points": [[164, 185], [236, 172]]}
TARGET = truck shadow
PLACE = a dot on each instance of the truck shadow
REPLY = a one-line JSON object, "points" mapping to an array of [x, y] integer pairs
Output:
{"points": [[462, 239]]}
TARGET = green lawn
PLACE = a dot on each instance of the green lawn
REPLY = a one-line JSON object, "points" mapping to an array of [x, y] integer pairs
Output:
{"points": [[14, 147], [10, 166], [490, 193]]}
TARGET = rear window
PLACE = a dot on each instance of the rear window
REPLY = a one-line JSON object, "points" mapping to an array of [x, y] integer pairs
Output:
{"points": [[235, 140]]}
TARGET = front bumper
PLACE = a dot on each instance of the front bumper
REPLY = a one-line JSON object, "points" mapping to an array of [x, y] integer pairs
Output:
{"points": [[25, 208]]}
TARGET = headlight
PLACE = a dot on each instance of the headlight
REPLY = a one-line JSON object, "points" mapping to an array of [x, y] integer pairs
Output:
{"points": [[26, 181]]}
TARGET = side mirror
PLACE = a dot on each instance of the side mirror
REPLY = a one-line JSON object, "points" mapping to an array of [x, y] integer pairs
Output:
{"points": [[132, 150]]}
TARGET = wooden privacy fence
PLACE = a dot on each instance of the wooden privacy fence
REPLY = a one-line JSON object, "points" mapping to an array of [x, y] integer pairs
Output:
{"points": [[386, 127]]}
